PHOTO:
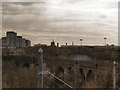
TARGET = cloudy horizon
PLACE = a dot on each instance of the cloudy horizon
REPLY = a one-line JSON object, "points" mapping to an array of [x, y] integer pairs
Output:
{"points": [[64, 21]]}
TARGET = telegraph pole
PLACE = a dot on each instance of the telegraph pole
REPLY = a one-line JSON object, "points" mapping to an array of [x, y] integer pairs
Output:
{"points": [[40, 69]]}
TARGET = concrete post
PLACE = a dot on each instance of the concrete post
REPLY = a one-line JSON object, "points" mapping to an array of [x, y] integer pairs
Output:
{"points": [[114, 75], [40, 69]]}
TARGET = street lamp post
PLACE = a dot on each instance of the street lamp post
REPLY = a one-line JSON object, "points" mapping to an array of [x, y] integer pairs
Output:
{"points": [[81, 41], [105, 40]]}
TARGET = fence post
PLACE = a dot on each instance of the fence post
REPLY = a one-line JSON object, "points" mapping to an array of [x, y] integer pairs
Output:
{"points": [[40, 69]]}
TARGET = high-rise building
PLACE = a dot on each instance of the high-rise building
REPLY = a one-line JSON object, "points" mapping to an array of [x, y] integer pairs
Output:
{"points": [[23, 42], [13, 41], [19, 42]]}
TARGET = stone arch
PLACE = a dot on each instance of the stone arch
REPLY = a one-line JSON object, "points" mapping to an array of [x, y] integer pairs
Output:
{"points": [[90, 75], [27, 65], [35, 65], [69, 74], [16, 64], [59, 73], [81, 77], [61, 69], [82, 73], [69, 70]]}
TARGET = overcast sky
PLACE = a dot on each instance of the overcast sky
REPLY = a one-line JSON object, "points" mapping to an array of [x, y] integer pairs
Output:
{"points": [[63, 20]]}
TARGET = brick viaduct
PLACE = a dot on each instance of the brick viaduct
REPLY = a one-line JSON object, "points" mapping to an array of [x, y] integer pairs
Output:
{"points": [[78, 72]]}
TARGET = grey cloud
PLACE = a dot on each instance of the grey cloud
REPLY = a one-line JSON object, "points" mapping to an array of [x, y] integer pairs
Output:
{"points": [[39, 25], [103, 16], [21, 8], [24, 3]]}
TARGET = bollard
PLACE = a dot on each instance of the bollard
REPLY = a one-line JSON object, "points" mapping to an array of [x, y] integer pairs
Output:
{"points": [[40, 69]]}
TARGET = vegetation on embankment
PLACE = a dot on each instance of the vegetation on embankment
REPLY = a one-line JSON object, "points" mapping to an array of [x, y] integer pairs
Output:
{"points": [[21, 77]]}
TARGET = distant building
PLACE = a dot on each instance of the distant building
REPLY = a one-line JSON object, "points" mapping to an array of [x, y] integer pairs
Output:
{"points": [[66, 44], [27, 43], [13, 41], [19, 42], [4, 41], [53, 43], [57, 44], [40, 45], [23, 42]]}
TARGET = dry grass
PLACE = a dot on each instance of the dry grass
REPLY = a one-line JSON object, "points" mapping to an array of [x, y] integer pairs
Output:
{"points": [[19, 77]]}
